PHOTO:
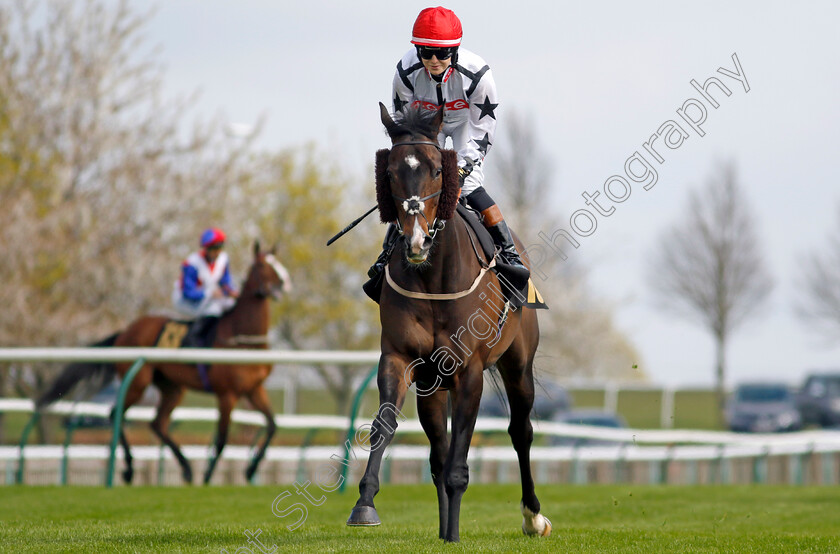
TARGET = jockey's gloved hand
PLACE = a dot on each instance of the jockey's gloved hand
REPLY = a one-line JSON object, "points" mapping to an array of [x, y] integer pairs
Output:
{"points": [[462, 174]]}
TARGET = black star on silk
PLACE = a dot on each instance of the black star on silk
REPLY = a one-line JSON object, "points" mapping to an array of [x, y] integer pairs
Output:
{"points": [[399, 103], [487, 108], [483, 144]]}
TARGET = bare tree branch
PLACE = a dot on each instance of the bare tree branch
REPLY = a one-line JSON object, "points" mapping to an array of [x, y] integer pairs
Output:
{"points": [[709, 268], [818, 301], [578, 336]]}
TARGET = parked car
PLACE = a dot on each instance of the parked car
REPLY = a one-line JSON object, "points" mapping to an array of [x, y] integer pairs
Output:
{"points": [[549, 399], [763, 408], [819, 399], [594, 417]]}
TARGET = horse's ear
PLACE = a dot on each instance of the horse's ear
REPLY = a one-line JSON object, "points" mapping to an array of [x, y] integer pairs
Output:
{"points": [[451, 184], [384, 199], [385, 117], [273, 250], [256, 248], [438, 120]]}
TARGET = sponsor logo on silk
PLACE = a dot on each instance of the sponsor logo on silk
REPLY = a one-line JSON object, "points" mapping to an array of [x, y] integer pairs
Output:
{"points": [[459, 104]]}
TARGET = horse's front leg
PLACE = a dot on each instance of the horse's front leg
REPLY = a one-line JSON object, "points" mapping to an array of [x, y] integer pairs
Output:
{"points": [[467, 396], [392, 387], [432, 411]]}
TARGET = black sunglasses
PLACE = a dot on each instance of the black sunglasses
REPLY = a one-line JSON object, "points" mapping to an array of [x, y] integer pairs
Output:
{"points": [[426, 52]]}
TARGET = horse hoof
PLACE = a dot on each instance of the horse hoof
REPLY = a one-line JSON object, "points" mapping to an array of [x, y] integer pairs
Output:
{"points": [[127, 476], [539, 526], [535, 524], [363, 516]]}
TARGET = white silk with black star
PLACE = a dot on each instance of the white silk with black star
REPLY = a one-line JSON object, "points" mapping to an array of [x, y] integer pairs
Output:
{"points": [[469, 93]]}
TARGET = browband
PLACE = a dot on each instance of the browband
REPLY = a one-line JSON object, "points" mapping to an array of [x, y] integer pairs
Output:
{"points": [[410, 142]]}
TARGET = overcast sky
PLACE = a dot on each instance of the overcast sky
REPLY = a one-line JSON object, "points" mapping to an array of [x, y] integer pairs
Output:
{"points": [[598, 78]]}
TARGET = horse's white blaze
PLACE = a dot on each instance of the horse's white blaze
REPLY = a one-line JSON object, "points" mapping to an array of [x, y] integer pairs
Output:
{"points": [[534, 524], [280, 270], [417, 237], [412, 161]]}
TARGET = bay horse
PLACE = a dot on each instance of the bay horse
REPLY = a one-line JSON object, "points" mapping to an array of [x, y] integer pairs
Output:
{"points": [[246, 326], [429, 301]]}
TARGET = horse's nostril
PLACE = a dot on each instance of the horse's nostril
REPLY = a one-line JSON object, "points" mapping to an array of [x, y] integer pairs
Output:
{"points": [[427, 242]]}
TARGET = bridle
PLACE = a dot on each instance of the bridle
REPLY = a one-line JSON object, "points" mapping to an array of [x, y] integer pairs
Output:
{"points": [[414, 204]]}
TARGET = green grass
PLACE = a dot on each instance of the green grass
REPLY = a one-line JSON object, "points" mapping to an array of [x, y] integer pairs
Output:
{"points": [[585, 518]]}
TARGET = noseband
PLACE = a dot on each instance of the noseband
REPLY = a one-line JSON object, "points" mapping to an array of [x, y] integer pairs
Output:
{"points": [[414, 204]]}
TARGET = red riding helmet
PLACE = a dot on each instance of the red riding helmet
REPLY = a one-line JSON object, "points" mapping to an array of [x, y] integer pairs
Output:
{"points": [[437, 27], [212, 237]]}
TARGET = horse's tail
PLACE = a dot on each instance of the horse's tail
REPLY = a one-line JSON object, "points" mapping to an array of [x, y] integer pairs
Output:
{"points": [[93, 376]]}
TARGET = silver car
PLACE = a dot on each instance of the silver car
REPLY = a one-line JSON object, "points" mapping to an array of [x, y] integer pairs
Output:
{"points": [[763, 408]]}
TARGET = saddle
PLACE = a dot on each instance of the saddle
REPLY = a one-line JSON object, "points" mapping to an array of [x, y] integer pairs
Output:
{"points": [[200, 333]]}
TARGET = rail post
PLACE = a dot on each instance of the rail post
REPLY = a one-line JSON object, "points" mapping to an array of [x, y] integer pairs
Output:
{"points": [[72, 423], [24, 437], [351, 428], [118, 417]]}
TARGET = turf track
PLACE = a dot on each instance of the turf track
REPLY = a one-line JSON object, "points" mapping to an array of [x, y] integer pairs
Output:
{"points": [[621, 518]]}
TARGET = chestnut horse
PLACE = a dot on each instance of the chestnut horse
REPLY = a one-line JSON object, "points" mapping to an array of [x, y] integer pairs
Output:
{"points": [[244, 326], [438, 288]]}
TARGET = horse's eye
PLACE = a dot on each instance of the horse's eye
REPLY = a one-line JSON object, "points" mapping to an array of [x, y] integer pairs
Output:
{"points": [[438, 172]]}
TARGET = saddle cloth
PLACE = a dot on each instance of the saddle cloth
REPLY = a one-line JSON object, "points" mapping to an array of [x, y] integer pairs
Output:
{"points": [[172, 334]]}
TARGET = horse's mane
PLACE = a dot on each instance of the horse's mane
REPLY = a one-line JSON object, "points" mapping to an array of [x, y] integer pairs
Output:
{"points": [[414, 121]]}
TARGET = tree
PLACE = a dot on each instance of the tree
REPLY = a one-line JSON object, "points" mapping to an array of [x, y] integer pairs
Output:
{"points": [[818, 302], [709, 267], [297, 197], [105, 186], [100, 180], [578, 336]]}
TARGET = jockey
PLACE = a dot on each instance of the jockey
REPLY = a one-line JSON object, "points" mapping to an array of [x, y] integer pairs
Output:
{"points": [[205, 290], [437, 72]]}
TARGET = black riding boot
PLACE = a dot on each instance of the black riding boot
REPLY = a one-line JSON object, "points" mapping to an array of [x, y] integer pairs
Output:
{"points": [[504, 239], [197, 336], [374, 286]]}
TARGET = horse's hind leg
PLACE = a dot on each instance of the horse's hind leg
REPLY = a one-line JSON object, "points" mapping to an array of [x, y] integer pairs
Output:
{"points": [[259, 399], [432, 411], [516, 368], [128, 472], [135, 392], [170, 396]]}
